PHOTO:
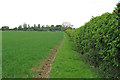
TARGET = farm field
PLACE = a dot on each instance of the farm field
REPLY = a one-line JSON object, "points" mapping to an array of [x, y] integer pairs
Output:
{"points": [[66, 39], [22, 50], [69, 64]]}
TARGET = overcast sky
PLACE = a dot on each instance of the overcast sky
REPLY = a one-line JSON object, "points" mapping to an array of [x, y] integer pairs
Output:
{"points": [[47, 12]]}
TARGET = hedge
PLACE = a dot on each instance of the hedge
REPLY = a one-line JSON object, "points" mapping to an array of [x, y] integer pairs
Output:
{"points": [[99, 41]]}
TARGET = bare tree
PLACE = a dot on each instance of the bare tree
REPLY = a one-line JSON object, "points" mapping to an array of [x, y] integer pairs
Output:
{"points": [[66, 24]]}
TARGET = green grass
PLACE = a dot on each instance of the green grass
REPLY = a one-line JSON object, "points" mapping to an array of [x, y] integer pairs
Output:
{"points": [[23, 50], [67, 64], [0, 55]]}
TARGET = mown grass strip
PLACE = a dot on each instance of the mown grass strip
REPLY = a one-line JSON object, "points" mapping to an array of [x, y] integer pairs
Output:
{"points": [[67, 63]]}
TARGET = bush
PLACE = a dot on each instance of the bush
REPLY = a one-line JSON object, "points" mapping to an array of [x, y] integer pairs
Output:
{"points": [[99, 41]]}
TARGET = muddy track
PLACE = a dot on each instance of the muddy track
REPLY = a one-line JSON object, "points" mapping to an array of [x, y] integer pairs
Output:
{"points": [[44, 70]]}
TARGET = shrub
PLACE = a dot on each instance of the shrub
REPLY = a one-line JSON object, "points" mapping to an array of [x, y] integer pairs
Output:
{"points": [[99, 40]]}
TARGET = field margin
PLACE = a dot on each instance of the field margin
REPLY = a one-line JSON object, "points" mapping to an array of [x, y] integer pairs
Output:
{"points": [[44, 70]]}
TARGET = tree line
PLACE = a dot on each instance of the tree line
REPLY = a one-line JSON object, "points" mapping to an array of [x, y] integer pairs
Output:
{"points": [[27, 27]]}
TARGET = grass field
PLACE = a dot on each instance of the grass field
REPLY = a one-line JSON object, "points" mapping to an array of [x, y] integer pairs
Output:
{"points": [[23, 50], [67, 64]]}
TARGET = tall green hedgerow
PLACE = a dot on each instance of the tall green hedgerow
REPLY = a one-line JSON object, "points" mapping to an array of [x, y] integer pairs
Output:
{"points": [[99, 41]]}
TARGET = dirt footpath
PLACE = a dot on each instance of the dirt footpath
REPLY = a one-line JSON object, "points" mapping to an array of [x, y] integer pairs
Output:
{"points": [[44, 70]]}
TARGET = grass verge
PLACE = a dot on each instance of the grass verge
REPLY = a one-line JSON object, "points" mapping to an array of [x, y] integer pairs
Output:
{"points": [[67, 63]]}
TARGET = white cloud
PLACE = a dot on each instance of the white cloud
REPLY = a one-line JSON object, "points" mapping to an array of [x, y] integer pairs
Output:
{"points": [[16, 12]]}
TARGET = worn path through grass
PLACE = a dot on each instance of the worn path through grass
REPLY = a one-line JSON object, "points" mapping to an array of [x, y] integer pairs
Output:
{"points": [[67, 64], [22, 50]]}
